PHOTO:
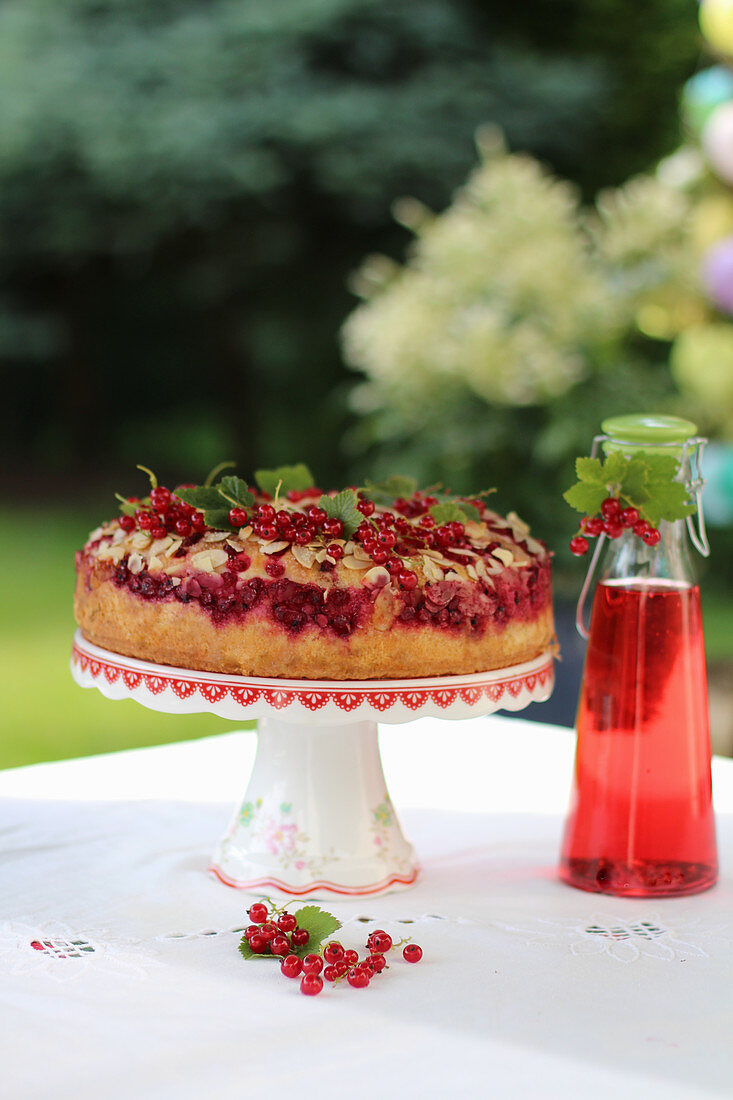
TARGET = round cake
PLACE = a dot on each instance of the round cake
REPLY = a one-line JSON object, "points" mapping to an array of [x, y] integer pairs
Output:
{"points": [[283, 580]]}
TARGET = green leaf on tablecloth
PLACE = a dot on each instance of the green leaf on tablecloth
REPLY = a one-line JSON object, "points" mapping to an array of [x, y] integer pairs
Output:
{"points": [[320, 925]]}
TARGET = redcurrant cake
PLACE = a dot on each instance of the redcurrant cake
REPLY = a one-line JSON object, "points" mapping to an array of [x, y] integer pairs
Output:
{"points": [[281, 579]]}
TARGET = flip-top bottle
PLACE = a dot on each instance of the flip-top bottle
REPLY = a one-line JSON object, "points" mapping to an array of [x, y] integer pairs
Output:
{"points": [[641, 818]]}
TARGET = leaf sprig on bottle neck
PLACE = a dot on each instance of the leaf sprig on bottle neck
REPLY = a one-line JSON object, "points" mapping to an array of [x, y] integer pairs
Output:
{"points": [[627, 492]]}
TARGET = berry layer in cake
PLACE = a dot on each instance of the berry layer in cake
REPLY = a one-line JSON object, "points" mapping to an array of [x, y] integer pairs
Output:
{"points": [[382, 582]]}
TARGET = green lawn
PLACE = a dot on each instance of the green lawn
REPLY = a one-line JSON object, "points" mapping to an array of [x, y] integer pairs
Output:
{"points": [[45, 715]]}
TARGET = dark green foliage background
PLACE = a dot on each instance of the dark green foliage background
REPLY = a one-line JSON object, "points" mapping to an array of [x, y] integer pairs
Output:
{"points": [[184, 188]]}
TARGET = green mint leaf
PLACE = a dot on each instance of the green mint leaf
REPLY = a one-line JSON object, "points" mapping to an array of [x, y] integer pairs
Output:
{"points": [[384, 493], [296, 477], [236, 492], [126, 507], [586, 497], [343, 507], [218, 518], [201, 497], [634, 486], [590, 470], [320, 924], [455, 510]]}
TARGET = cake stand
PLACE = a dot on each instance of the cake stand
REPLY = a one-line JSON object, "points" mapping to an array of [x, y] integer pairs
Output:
{"points": [[317, 819]]}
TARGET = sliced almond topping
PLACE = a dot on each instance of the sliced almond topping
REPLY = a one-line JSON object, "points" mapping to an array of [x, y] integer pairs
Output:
{"points": [[360, 554], [475, 530], [472, 572], [303, 555], [96, 534], [135, 563], [480, 567], [215, 536], [111, 553], [174, 547], [140, 541], [351, 562], [431, 569], [155, 565], [518, 526], [534, 546], [321, 555], [378, 576], [119, 536], [349, 547], [274, 547], [503, 555], [384, 612], [175, 581], [245, 532], [455, 576], [207, 561], [160, 545]]}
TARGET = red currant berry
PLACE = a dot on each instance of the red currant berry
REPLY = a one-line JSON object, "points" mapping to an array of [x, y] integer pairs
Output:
{"points": [[145, 520], [303, 537], [311, 985], [613, 529], [291, 966], [401, 505], [341, 968], [592, 525], [333, 528], [357, 978], [158, 532], [198, 523], [268, 931], [443, 537], [641, 528], [651, 537], [257, 944], [335, 551], [407, 579], [376, 962], [380, 556], [611, 508], [427, 521], [300, 937], [351, 958], [394, 565], [629, 517], [380, 942], [287, 923], [258, 913], [274, 568], [330, 973], [238, 517], [280, 945], [266, 513], [312, 964], [366, 507], [240, 563], [412, 953], [127, 523], [160, 498], [333, 952], [182, 528], [267, 531], [252, 930], [386, 539], [316, 514], [579, 545]]}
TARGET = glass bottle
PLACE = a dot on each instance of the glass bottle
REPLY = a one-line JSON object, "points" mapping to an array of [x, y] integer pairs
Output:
{"points": [[641, 821]]}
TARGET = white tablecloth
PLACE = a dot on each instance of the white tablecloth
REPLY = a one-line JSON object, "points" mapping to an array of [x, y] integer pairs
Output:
{"points": [[527, 987]]}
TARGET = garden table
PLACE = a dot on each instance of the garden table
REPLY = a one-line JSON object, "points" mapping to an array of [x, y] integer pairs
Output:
{"points": [[121, 975]]}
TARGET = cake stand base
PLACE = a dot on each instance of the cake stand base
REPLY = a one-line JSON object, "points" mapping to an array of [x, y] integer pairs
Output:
{"points": [[317, 819]]}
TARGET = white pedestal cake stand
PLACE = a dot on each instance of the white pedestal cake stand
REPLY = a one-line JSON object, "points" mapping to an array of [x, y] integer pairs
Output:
{"points": [[316, 819]]}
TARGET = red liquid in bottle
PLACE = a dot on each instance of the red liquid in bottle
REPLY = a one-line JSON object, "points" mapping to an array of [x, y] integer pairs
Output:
{"points": [[641, 823]]}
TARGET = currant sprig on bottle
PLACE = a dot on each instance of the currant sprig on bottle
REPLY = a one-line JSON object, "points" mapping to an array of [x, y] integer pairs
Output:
{"points": [[626, 492]]}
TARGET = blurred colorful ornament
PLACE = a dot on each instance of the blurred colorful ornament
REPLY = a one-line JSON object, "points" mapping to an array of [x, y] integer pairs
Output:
{"points": [[702, 366], [717, 141], [717, 275], [712, 219], [704, 92], [716, 23]]}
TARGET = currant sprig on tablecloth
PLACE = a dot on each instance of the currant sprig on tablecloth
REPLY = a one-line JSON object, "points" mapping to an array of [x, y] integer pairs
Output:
{"points": [[294, 938]]}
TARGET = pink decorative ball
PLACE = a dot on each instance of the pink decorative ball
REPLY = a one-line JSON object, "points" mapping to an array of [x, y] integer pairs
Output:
{"points": [[717, 275]]}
